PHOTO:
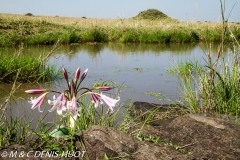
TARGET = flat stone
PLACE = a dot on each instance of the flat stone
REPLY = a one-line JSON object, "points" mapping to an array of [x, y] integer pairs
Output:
{"points": [[116, 144]]}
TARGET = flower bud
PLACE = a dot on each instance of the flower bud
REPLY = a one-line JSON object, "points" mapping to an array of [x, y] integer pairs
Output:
{"points": [[36, 91], [77, 74], [65, 73], [104, 88], [84, 74]]}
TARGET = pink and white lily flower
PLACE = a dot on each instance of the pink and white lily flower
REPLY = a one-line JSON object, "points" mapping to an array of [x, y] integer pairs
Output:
{"points": [[99, 98], [37, 102], [66, 103], [72, 108], [110, 101], [59, 103]]}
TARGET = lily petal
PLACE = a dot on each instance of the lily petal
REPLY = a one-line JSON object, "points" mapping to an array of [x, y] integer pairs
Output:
{"points": [[37, 102], [96, 99], [59, 104], [74, 103]]}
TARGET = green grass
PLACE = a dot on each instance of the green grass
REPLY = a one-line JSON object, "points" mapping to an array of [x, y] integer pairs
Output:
{"points": [[186, 68], [225, 90], [214, 90], [26, 68], [31, 69], [157, 141]]}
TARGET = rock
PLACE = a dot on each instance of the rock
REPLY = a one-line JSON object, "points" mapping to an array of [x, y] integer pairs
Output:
{"points": [[163, 113], [204, 137], [116, 144], [102, 140]]}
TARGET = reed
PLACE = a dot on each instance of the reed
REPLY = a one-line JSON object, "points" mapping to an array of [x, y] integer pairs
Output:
{"points": [[216, 88]]}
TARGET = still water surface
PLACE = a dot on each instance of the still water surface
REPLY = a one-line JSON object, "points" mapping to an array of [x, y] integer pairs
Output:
{"points": [[141, 68]]}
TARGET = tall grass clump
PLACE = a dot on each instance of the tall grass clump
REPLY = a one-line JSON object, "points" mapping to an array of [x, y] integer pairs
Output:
{"points": [[30, 68], [186, 68], [217, 87], [95, 34], [14, 131]]}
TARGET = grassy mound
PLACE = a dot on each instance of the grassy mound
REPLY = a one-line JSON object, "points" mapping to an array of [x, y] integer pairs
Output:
{"points": [[151, 14]]}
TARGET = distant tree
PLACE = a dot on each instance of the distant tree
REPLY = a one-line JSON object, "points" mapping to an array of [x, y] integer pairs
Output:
{"points": [[29, 14]]}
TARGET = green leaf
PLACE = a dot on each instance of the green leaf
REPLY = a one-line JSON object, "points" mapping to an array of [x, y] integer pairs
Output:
{"points": [[61, 131], [106, 157]]}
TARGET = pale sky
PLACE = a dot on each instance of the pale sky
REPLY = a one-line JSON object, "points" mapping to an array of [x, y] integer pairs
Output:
{"points": [[185, 10]]}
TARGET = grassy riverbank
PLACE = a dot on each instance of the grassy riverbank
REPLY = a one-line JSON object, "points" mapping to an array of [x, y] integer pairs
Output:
{"points": [[26, 68], [43, 30]]}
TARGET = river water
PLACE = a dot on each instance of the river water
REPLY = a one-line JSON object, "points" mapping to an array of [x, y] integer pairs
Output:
{"points": [[140, 69]]}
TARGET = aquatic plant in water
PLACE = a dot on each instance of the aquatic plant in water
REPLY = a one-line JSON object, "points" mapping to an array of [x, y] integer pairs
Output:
{"points": [[68, 103]]}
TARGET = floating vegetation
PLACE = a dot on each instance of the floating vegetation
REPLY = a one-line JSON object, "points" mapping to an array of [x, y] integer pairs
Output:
{"points": [[138, 69], [155, 94]]}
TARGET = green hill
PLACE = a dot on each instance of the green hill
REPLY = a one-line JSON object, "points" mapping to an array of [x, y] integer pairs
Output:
{"points": [[151, 14]]}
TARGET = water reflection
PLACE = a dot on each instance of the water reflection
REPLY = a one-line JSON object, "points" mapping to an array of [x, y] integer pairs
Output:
{"points": [[94, 49]]}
